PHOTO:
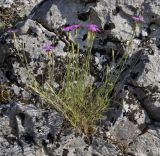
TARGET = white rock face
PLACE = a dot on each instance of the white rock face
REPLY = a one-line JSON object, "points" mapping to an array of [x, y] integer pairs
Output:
{"points": [[22, 8], [6, 3]]}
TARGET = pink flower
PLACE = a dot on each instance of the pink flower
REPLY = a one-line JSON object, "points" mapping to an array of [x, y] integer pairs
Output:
{"points": [[12, 30], [93, 28], [48, 48], [71, 28], [138, 19]]}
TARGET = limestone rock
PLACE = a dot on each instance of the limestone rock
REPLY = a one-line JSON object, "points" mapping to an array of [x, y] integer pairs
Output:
{"points": [[146, 144], [147, 81]]}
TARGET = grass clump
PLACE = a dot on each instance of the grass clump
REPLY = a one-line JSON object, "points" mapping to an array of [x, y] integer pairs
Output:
{"points": [[79, 100]]}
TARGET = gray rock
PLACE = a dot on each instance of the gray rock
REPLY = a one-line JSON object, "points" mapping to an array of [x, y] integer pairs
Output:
{"points": [[124, 131], [53, 14], [107, 150], [134, 111], [6, 3], [3, 54], [127, 117], [147, 81], [72, 144], [3, 78], [24, 128], [23, 8], [146, 144]]}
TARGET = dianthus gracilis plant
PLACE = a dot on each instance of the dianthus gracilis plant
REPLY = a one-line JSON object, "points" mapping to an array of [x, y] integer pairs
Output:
{"points": [[78, 99]]}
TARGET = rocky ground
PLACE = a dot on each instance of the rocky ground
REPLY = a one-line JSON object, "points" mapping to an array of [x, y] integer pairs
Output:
{"points": [[131, 125]]}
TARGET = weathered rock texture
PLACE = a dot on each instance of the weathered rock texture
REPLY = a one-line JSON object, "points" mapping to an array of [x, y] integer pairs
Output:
{"points": [[130, 125]]}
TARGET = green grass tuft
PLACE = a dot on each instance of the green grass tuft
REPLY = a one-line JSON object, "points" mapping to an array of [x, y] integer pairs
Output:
{"points": [[78, 99]]}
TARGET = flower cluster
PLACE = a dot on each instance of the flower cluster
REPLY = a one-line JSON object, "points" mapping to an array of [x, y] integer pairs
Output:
{"points": [[138, 19], [48, 48], [71, 28], [91, 27], [12, 30]]}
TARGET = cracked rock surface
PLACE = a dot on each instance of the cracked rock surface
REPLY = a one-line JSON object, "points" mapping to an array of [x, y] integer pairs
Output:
{"points": [[131, 125]]}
